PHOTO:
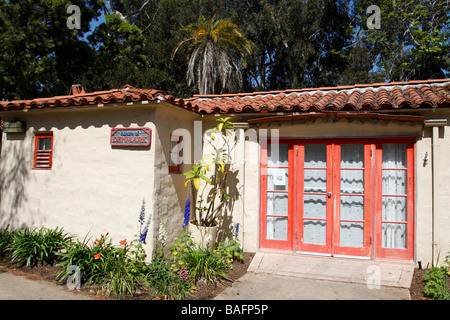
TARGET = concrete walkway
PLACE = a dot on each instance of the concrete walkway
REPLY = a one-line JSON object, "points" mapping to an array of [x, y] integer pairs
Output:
{"points": [[16, 287], [295, 277]]}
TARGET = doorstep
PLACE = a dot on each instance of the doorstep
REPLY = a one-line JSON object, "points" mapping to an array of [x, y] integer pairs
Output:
{"points": [[368, 272]]}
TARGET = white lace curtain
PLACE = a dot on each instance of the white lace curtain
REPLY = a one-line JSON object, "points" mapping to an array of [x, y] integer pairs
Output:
{"points": [[394, 200], [277, 202]]}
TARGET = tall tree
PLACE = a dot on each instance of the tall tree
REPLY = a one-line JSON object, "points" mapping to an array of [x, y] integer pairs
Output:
{"points": [[218, 46], [313, 32], [412, 41], [295, 41], [119, 55], [40, 55]]}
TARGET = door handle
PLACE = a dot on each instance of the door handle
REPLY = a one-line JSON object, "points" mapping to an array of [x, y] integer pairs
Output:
{"points": [[329, 194]]}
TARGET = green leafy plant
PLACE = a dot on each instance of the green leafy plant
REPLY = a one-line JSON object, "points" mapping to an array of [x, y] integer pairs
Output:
{"points": [[167, 283], [92, 261], [436, 281], [230, 249], [123, 277], [33, 246], [217, 163], [199, 262], [6, 239]]}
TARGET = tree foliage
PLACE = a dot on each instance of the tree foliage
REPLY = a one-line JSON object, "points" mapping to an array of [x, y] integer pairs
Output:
{"points": [[217, 48], [413, 40], [295, 43], [39, 55]]}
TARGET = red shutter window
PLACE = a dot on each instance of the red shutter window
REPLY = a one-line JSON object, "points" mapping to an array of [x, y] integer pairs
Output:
{"points": [[43, 151]]}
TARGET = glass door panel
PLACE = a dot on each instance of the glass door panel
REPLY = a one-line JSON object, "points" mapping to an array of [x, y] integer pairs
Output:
{"points": [[394, 196], [395, 203], [314, 194], [276, 195], [351, 234], [333, 182], [314, 203]]}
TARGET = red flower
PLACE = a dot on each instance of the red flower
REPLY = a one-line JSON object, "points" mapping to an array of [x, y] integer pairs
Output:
{"points": [[124, 241], [97, 256]]}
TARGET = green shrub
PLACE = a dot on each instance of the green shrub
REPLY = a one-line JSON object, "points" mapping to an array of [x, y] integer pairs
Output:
{"points": [[92, 261], [436, 283], [31, 246], [127, 270], [230, 249], [166, 282], [6, 239], [199, 262]]}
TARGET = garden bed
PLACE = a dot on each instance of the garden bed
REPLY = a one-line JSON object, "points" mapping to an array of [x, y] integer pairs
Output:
{"points": [[416, 290], [204, 290]]}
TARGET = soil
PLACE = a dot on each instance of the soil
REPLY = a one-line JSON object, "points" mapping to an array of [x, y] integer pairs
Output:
{"points": [[204, 291], [416, 290]]}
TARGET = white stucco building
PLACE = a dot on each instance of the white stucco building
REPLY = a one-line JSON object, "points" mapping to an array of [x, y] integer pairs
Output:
{"points": [[362, 171]]}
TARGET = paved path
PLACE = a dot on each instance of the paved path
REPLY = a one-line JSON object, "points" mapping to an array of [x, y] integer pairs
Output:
{"points": [[15, 287], [295, 277]]}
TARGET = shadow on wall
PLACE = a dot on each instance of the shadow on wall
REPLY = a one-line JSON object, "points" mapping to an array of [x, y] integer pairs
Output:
{"points": [[98, 118], [13, 181], [226, 222]]}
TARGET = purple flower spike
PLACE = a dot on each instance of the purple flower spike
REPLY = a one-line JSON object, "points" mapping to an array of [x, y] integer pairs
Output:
{"points": [[187, 211]]}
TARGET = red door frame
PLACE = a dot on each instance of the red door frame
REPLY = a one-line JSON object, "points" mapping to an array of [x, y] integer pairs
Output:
{"points": [[333, 220], [316, 248], [372, 199], [365, 250], [282, 245], [389, 253]]}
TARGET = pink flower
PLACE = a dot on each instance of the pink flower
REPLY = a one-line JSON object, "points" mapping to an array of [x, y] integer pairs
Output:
{"points": [[124, 241], [97, 256]]}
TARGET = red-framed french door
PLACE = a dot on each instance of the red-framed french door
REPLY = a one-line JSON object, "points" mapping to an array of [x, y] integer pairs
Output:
{"points": [[395, 199], [277, 196], [334, 197], [351, 197]]}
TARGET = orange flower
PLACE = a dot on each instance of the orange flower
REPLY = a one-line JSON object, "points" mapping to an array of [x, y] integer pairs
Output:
{"points": [[97, 256], [124, 241]]}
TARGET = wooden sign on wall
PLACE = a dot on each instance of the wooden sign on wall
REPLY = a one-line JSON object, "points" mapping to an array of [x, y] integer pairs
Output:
{"points": [[132, 137]]}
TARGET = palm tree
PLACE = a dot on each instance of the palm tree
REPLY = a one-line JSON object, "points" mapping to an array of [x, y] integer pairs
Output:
{"points": [[217, 48]]}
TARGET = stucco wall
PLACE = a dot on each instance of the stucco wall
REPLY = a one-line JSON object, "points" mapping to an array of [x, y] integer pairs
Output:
{"points": [[346, 129], [170, 190], [441, 223], [92, 187], [96, 188]]}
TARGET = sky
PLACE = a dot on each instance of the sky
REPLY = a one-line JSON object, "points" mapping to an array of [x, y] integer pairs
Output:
{"points": [[94, 24]]}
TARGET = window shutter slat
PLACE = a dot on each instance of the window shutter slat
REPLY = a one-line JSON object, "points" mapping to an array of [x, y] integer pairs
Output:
{"points": [[43, 158]]}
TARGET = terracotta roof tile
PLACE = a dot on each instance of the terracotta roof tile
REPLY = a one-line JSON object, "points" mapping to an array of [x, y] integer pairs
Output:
{"points": [[395, 95], [78, 97]]}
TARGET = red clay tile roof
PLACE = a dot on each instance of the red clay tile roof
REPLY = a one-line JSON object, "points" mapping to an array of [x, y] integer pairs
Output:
{"points": [[337, 115], [78, 97], [378, 96]]}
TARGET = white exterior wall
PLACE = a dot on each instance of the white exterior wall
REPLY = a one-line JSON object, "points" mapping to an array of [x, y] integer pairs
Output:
{"points": [[423, 178], [441, 223], [92, 187]]}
